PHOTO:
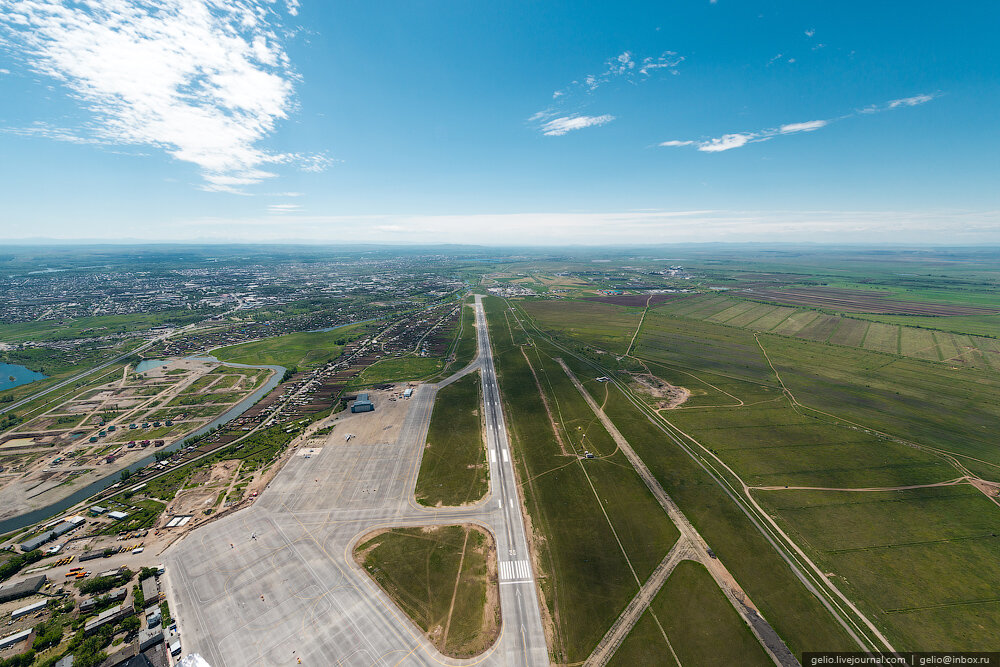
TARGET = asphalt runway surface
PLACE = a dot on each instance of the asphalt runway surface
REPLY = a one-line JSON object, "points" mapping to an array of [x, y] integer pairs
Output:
{"points": [[276, 583]]}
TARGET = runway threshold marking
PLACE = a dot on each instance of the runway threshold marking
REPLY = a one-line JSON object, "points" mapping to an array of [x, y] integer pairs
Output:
{"points": [[514, 569]]}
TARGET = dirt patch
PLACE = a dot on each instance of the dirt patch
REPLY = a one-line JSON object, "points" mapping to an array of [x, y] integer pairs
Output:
{"points": [[991, 489], [671, 396]]}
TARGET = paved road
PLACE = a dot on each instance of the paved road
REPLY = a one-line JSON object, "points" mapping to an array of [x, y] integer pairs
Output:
{"points": [[276, 583]]}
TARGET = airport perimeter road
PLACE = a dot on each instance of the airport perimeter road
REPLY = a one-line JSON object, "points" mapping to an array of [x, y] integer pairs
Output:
{"points": [[277, 582]]}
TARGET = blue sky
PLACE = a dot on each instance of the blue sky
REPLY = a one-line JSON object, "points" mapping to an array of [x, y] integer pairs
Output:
{"points": [[513, 122]]}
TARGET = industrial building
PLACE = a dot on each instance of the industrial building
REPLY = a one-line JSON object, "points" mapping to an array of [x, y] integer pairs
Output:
{"points": [[150, 592], [362, 404], [22, 589], [150, 637], [29, 609], [10, 640], [112, 615], [58, 530], [117, 516]]}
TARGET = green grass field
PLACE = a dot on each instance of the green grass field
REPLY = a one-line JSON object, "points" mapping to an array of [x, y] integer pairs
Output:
{"points": [[702, 628], [924, 561], [398, 369], [453, 469], [444, 578], [465, 349], [305, 351], [936, 543]]}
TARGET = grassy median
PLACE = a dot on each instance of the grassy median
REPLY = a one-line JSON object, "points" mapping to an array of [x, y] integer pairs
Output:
{"points": [[453, 469], [444, 578]]}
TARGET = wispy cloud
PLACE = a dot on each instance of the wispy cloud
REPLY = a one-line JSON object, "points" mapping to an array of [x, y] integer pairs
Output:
{"points": [[807, 126], [911, 101], [560, 126], [281, 209], [738, 139], [563, 114], [624, 66], [203, 80]]}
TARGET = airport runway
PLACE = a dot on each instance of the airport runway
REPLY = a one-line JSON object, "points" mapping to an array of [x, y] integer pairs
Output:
{"points": [[276, 583]]}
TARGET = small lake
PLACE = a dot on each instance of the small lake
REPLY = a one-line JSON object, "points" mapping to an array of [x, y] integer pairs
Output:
{"points": [[12, 375], [149, 364]]}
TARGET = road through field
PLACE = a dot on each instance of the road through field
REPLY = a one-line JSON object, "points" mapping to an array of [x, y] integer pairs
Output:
{"points": [[277, 583]]}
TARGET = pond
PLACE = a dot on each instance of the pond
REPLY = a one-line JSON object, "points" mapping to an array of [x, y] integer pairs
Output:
{"points": [[149, 364], [12, 375]]}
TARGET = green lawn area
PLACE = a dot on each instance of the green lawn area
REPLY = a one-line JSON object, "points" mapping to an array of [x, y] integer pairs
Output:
{"points": [[304, 351], [925, 562], [444, 578], [398, 369], [453, 469], [698, 621], [465, 350]]}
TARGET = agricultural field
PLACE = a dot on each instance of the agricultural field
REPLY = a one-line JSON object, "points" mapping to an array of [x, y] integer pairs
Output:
{"points": [[444, 578], [302, 351], [862, 301], [635, 300], [935, 342], [453, 468], [848, 418], [691, 619]]}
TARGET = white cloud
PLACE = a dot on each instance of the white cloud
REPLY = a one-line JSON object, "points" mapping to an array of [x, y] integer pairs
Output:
{"points": [[737, 139], [560, 126], [283, 208], [808, 126], [4, 70], [911, 101], [203, 80], [810, 32], [725, 142]]}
